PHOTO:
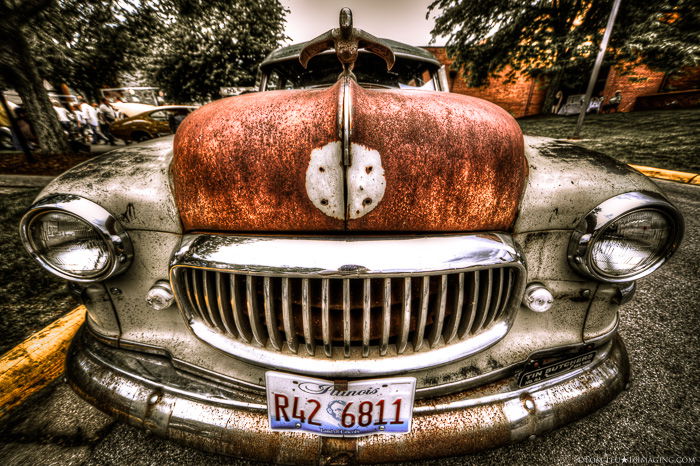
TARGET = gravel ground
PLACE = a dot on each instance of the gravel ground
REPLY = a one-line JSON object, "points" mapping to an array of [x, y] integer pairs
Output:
{"points": [[663, 139], [31, 298], [655, 421]]}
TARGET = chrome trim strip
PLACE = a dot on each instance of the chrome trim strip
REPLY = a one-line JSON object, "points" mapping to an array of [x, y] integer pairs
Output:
{"points": [[598, 219], [346, 256], [121, 251], [371, 366]]}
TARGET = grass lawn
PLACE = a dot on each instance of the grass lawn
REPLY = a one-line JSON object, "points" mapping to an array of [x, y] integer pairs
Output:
{"points": [[663, 139], [30, 297]]}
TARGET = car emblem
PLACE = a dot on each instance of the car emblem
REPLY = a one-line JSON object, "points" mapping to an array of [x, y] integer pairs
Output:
{"points": [[346, 40]]}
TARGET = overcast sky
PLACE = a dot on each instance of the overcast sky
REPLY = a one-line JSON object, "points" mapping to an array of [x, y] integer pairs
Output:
{"points": [[402, 20]]}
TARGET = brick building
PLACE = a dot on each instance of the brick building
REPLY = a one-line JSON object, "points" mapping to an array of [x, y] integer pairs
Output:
{"points": [[525, 96]]}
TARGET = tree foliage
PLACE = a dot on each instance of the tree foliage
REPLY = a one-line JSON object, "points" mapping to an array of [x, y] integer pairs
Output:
{"points": [[551, 37], [90, 44], [205, 45], [19, 71]]}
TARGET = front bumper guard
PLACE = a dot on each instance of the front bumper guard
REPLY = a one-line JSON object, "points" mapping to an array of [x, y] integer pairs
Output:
{"points": [[147, 391]]}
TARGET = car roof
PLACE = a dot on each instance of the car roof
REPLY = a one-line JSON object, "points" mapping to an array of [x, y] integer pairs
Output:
{"points": [[400, 50]]}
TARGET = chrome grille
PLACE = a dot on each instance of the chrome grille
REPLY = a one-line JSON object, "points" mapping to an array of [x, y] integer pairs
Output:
{"points": [[352, 317]]}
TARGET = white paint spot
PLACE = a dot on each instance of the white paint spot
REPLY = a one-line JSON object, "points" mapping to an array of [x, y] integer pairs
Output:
{"points": [[366, 182], [324, 180]]}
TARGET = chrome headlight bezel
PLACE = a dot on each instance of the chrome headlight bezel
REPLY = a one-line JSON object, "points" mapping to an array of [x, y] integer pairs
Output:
{"points": [[109, 229], [592, 225]]}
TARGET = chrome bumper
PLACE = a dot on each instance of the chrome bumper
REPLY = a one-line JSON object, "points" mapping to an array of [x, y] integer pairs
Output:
{"points": [[147, 391]]}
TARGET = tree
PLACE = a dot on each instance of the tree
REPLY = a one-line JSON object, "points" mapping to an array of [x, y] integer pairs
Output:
{"points": [[90, 44], [18, 69], [210, 44], [553, 38]]}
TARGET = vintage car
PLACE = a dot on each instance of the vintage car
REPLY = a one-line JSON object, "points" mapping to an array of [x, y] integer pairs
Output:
{"points": [[149, 124], [351, 265]]}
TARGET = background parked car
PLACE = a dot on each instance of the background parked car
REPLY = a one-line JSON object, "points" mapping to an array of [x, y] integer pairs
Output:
{"points": [[147, 125]]}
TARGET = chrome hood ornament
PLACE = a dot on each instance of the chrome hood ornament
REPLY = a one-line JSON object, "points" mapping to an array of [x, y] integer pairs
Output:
{"points": [[346, 40]]}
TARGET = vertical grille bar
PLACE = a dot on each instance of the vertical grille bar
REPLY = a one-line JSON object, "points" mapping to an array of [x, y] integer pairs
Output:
{"points": [[497, 286], [223, 304], [237, 306], [346, 317], [485, 301], [366, 310], [210, 299], [471, 305], [253, 312], [509, 285], [199, 297], [405, 316], [456, 317], [436, 331], [270, 316], [386, 317], [189, 292], [306, 316], [287, 319], [422, 313], [326, 318]]}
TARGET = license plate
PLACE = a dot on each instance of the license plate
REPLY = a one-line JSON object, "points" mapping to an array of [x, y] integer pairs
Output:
{"points": [[296, 403]]}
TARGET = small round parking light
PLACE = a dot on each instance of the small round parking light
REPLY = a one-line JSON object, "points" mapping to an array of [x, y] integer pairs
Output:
{"points": [[538, 298], [160, 296]]}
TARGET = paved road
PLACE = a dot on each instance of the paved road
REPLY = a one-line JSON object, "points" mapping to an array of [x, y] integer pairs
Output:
{"points": [[655, 421]]}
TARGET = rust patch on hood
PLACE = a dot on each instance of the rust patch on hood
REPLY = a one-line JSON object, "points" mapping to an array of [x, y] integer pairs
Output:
{"points": [[240, 163], [436, 162], [451, 162]]}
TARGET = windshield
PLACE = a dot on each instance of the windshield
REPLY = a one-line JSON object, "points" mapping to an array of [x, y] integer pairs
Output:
{"points": [[370, 70]]}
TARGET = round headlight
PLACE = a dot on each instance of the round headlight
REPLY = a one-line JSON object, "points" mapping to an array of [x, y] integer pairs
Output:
{"points": [[626, 237], [75, 238]]}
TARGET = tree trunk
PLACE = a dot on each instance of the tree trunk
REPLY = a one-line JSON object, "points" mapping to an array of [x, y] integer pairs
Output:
{"points": [[19, 70], [554, 83]]}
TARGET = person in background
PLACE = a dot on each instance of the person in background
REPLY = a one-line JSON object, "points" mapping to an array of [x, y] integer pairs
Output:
{"points": [[613, 103], [176, 118], [62, 115], [91, 119], [25, 127], [80, 121], [106, 116]]}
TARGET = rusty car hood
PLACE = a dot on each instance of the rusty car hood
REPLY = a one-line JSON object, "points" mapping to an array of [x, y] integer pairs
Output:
{"points": [[348, 159]]}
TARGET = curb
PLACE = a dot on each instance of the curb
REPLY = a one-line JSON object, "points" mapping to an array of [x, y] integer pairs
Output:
{"points": [[670, 175], [25, 181], [37, 361]]}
